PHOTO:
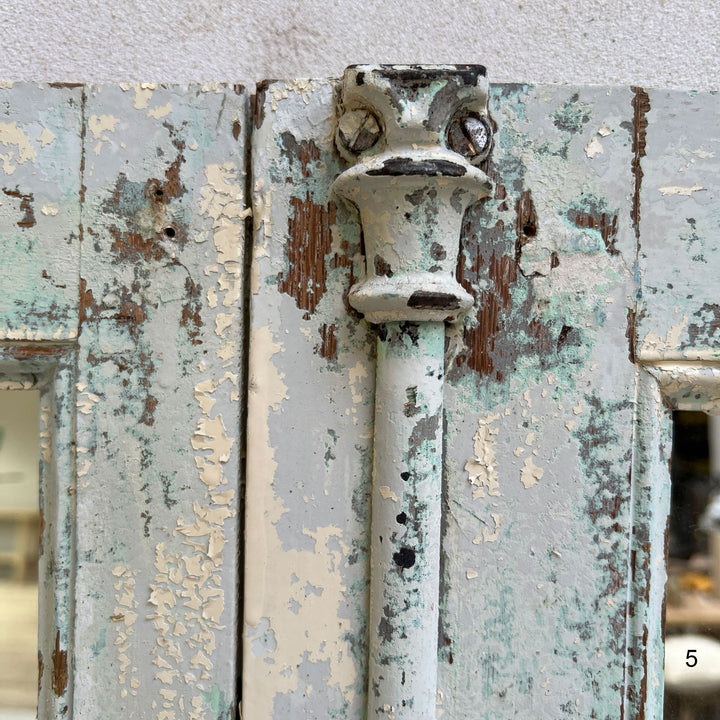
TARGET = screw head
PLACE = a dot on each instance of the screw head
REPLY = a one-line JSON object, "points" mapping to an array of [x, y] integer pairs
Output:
{"points": [[358, 130], [469, 135]]}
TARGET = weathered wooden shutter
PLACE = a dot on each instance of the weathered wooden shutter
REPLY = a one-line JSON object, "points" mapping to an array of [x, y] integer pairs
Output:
{"points": [[166, 340]]}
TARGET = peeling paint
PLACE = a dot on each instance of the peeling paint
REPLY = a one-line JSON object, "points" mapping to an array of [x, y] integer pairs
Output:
{"points": [[482, 467], [539, 386], [531, 474], [21, 151], [679, 190], [593, 148]]}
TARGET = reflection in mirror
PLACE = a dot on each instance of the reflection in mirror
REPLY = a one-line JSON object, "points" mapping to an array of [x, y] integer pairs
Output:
{"points": [[19, 547], [692, 617]]}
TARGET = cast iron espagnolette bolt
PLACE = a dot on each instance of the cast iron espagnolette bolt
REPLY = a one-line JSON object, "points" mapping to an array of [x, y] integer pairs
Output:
{"points": [[415, 136]]}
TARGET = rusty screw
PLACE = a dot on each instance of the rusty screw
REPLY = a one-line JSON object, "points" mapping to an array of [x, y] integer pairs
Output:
{"points": [[469, 135], [358, 130]]}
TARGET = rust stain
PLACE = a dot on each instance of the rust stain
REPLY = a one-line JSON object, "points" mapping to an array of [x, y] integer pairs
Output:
{"points": [[487, 164], [525, 223], [83, 133], [133, 247], [257, 102], [630, 333], [382, 268], [641, 107], [130, 313], [190, 315], [236, 127], [328, 346], [41, 669], [541, 334], [604, 223], [87, 301], [65, 85], [562, 338], [33, 351], [642, 700], [161, 193], [60, 668], [26, 200], [148, 415], [310, 239]]}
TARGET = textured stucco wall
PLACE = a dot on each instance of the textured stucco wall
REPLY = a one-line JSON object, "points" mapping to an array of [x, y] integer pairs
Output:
{"points": [[661, 43]]}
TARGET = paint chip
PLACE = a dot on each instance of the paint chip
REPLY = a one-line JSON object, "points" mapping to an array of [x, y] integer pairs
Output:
{"points": [[160, 112], [45, 137], [387, 493], [593, 148], [530, 474], [482, 467], [680, 190], [97, 124]]}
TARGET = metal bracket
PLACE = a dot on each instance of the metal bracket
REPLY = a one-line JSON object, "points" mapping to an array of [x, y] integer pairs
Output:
{"points": [[417, 136]]}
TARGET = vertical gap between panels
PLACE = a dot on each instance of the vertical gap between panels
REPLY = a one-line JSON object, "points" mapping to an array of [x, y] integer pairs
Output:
{"points": [[247, 252]]}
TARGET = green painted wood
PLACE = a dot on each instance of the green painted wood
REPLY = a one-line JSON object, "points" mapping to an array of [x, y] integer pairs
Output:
{"points": [[159, 402], [546, 513], [539, 417], [677, 340], [40, 169], [651, 501], [592, 267]]}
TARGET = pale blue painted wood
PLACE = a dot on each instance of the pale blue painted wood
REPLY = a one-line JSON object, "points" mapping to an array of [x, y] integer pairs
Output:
{"points": [[593, 272], [159, 402], [40, 168], [555, 496]]}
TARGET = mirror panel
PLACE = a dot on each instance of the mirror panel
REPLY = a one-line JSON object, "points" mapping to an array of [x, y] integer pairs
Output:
{"points": [[19, 549], [692, 618]]}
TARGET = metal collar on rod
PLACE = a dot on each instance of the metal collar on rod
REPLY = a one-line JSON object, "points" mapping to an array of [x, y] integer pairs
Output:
{"points": [[416, 135]]}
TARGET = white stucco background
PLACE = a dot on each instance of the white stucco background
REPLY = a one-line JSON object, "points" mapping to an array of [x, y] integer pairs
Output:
{"points": [[661, 43]]}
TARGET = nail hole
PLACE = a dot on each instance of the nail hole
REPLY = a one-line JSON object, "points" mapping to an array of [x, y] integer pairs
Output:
{"points": [[169, 231], [402, 518], [405, 557]]}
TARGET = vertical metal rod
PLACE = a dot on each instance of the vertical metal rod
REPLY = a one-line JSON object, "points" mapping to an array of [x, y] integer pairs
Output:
{"points": [[405, 544]]}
